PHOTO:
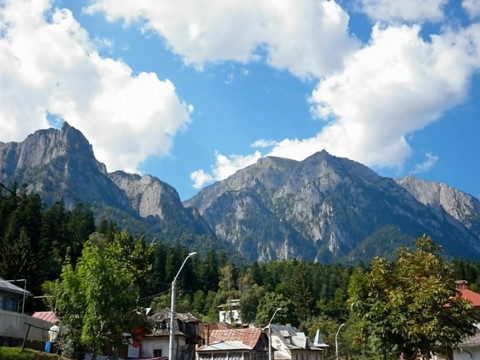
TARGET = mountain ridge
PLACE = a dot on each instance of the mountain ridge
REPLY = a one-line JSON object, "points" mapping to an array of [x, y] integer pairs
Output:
{"points": [[323, 208]]}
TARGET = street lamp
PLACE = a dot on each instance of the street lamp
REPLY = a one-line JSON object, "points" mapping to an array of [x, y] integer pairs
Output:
{"points": [[172, 309], [270, 334], [336, 342]]}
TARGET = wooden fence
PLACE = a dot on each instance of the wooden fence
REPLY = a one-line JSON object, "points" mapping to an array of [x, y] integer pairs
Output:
{"points": [[21, 326]]}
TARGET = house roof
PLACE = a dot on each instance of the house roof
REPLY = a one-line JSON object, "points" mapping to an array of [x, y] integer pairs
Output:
{"points": [[203, 328], [7, 286], [249, 338], [472, 296], [472, 341], [164, 314], [291, 338], [224, 346], [45, 315]]}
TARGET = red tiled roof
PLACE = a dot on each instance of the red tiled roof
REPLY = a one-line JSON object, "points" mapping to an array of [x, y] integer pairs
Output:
{"points": [[249, 337], [472, 296], [45, 315], [203, 328]]}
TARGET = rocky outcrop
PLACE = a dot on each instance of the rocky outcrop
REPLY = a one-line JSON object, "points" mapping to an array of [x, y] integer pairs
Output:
{"points": [[60, 166], [443, 198], [324, 208]]}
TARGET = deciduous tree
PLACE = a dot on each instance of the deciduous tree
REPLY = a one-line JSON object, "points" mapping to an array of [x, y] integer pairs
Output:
{"points": [[410, 306], [97, 299]]}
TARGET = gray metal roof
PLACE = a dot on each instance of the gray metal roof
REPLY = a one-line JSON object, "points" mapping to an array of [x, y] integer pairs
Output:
{"points": [[7, 286], [292, 338], [224, 346]]}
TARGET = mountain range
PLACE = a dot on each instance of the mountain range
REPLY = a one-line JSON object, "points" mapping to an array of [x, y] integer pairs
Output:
{"points": [[323, 208]]}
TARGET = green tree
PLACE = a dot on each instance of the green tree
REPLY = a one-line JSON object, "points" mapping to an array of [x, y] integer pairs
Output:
{"points": [[410, 307], [301, 292], [251, 294], [267, 306], [97, 299]]}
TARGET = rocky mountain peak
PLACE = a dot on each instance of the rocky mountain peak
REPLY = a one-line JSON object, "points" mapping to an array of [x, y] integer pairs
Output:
{"points": [[327, 207], [324, 208], [443, 198]]}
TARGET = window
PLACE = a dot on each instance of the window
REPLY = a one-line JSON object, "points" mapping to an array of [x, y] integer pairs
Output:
{"points": [[157, 352]]}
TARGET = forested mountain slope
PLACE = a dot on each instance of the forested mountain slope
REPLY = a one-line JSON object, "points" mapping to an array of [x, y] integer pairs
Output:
{"points": [[327, 208], [323, 208]]}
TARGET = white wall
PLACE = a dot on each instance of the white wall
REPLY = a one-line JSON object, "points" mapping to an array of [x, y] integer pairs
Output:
{"points": [[151, 343], [14, 325]]}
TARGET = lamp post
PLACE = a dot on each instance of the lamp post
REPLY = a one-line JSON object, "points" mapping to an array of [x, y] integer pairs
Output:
{"points": [[172, 309], [270, 334], [336, 342]]}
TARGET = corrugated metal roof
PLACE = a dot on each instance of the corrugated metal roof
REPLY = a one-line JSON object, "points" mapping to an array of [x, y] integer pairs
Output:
{"points": [[164, 314], [224, 346], [292, 338], [45, 315], [7, 286], [248, 337]]}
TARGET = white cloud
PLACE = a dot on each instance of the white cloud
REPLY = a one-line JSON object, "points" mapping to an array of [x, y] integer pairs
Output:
{"points": [[393, 87], [404, 10], [263, 143], [428, 164], [49, 65], [223, 168], [294, 35], [200, 178], [472, 7]]}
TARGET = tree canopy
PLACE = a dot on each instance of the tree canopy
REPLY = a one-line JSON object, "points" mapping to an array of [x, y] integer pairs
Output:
{"points": [[410, 306], [98, 299]]}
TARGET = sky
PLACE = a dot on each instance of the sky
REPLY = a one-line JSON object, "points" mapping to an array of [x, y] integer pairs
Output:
{"points": [[191, 91]]}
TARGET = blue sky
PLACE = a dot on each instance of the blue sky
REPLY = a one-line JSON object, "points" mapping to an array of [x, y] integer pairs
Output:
{"points": [[191, 91]]}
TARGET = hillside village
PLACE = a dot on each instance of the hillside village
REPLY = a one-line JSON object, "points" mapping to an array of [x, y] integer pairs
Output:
{"points": [[326, 240], [229, 338]]}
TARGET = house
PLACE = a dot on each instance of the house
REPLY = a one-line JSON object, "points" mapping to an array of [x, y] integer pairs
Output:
{"points": [[155, 343], [12, 297], [205, 329], [290, 344], [230, 312], [14, 324], [472, 296], [234, 344], [469, 348]]}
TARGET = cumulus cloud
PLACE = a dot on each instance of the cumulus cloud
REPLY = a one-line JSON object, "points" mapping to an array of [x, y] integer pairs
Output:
{"points": [[429, 163], [396, 85], [290, 35], [405, 10], [223, 168], [49, 66], [472, 7]]}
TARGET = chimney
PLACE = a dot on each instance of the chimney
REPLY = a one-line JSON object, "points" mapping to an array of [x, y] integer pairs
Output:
{"points": [[461, 285], [207, 327]]}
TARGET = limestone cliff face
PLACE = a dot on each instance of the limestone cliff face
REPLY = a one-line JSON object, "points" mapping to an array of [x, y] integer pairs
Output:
{"points": [[325, 208], [443, 198], [159, 202], [60, 166]]}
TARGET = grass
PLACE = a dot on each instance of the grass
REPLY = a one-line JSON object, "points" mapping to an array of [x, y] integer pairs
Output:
{"points": [[15, 353]]}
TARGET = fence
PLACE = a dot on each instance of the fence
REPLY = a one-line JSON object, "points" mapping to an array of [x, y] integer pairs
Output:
{"points": [[16, 325]]}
